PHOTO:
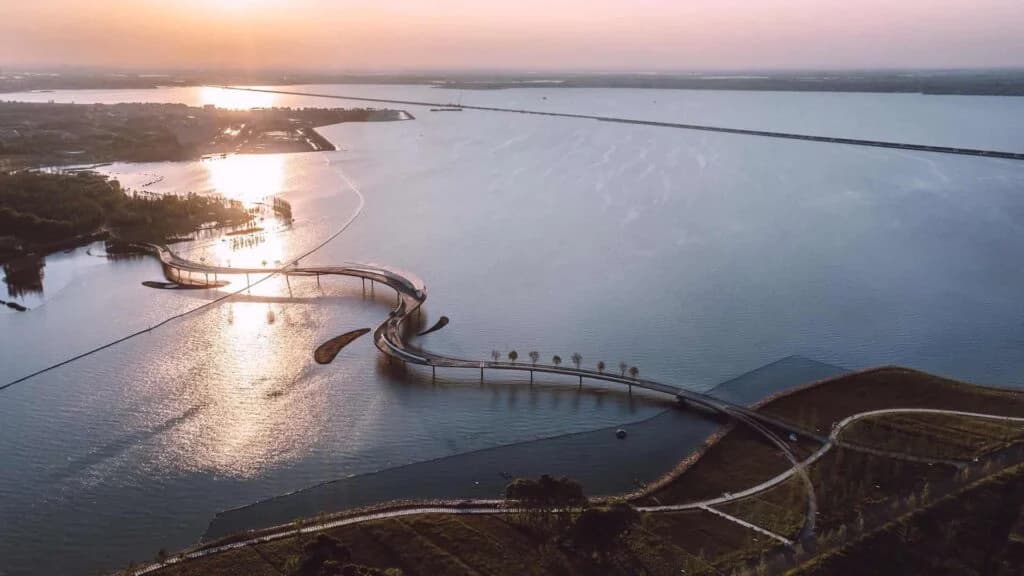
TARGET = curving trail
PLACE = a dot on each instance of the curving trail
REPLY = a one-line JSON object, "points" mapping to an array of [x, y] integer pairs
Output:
{"points": [[390, 338], [491, 506], [411, 293]]}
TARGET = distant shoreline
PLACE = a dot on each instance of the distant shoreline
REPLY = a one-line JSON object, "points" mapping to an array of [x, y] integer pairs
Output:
{"points": [[979, 82]]}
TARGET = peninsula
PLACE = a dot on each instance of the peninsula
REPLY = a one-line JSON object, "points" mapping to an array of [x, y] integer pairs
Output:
{"points": [[35, 135]]}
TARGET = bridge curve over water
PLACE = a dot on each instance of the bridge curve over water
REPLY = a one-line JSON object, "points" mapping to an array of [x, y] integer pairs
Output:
{"points": [[411, 292]]}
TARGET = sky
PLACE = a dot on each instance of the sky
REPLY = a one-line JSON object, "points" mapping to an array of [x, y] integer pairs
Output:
{"points": [[521, 35]]}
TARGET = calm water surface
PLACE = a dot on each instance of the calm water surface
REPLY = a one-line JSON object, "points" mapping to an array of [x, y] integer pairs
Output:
{"points": [[694, 256]]}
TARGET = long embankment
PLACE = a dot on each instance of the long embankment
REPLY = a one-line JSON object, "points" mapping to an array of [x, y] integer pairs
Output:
{"points": [[678, 125]]}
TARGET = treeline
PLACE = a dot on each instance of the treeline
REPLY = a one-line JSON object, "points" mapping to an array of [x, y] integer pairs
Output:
{"points": [[40, 208]]}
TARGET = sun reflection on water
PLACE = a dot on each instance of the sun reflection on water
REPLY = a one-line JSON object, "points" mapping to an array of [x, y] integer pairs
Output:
{"points": [[236, 99], [244, 379], [253, 180], [247, 177]]}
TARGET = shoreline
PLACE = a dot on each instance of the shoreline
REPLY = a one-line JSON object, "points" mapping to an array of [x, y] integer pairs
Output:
{"points": [[598, 459]]}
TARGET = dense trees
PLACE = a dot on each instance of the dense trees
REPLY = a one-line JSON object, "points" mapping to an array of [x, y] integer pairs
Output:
{"points": [[558, 507], [546, 492], [600, 531], [38, 207], [326, 556]]}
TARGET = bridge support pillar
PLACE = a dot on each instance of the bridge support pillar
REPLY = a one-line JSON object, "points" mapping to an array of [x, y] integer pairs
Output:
{"points": [[318, 281], [433, 373], [289, 283]]}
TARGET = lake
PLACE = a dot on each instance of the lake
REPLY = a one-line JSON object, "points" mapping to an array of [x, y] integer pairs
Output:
{"points": [[695, 256]]}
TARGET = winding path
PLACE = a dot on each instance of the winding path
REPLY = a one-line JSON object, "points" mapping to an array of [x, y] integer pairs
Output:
{"points": [[411, 293], [389, 338], [491, 506]]}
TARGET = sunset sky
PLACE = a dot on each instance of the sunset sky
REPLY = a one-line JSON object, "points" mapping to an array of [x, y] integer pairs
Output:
{"points": [[637, 35]]}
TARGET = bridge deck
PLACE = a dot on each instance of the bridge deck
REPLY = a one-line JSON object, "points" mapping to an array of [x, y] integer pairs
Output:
{"points": [[389, 338]]}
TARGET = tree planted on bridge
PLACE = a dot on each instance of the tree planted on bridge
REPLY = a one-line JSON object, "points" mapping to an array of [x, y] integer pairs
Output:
{"points": [[577, 359], [513, 356], [556, 360], [601, 366], [622, 369], [495, 355], [634, 372]]}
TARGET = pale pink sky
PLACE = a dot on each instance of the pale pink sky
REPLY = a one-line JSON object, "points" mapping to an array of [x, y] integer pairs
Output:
{"points": [[638, 35]]}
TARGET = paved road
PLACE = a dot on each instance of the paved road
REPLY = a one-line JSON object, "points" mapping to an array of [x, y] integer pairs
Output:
{"points": [[740, 131]]}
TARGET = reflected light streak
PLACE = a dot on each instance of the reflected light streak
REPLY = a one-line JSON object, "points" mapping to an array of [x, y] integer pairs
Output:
{"points": [[250, 178], [236, 99], [244, 376]]}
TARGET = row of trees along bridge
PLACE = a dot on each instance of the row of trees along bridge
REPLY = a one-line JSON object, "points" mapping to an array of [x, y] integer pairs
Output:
{"points": [[577, 360]]}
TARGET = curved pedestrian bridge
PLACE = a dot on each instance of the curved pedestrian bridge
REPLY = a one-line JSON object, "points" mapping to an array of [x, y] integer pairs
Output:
{"points": [[411, 293]]}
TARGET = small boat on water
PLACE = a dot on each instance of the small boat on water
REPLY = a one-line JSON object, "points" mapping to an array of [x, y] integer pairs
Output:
{"points": [[452, 109]]}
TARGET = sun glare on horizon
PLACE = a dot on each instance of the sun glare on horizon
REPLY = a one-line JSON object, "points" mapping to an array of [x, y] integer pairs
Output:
{"points": [[235, 99]]}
